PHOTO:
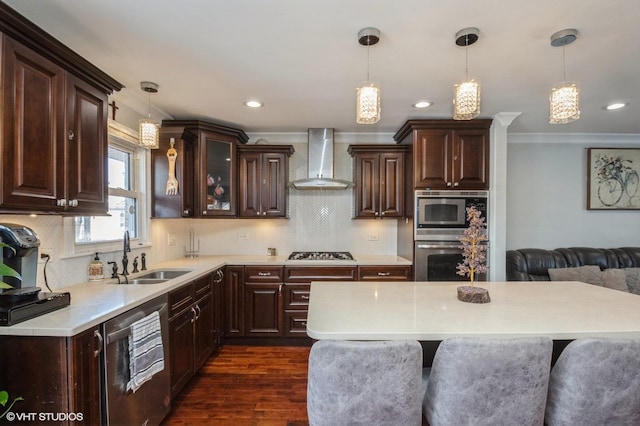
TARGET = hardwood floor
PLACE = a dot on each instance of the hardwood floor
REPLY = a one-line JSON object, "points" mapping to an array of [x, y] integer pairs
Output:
{"points": [[246, 385]]}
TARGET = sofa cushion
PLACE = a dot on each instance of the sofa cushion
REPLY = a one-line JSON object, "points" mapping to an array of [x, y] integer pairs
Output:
{"points": [[615, 279], [588, 274], [632, 276]]}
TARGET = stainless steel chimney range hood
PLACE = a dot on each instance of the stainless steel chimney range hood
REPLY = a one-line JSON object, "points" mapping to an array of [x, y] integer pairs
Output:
{"points": [[320, 163]]}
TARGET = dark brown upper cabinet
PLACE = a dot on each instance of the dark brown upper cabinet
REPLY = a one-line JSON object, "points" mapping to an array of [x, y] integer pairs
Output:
{"points": [[448, 154], [264, 177], [379, 174], [54, 124], [206, 170]]}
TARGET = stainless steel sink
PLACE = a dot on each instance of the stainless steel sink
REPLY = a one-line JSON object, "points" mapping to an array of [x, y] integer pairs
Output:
{"points": [[146, 281], [155, 277], [165, 274]]}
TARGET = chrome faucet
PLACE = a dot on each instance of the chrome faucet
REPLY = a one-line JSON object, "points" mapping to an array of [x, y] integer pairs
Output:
{"points": [[127, 249]]}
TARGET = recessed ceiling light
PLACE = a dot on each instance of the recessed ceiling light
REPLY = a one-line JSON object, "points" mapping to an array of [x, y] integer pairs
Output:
{"points": [[422, 104], [254, 104], [616, 105]]}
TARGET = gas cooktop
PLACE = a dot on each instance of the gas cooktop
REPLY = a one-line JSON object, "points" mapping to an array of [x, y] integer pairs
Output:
{"points": [[320, 255]]}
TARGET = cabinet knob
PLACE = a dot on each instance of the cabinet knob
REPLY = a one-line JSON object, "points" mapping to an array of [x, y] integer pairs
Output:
{"points": [[304, 297], [448, 183], [186, 212], [61, 202], [375, 213], [204, 212], [382, 213], [72, 135], [456, 184], [73, 203]]}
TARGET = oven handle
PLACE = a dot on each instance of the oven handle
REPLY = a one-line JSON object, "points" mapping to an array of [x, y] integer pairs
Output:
{"points": [[438, 246], [126, 332]]}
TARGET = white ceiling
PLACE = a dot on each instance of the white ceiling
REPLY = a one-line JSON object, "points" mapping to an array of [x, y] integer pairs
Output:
{"points": [[302, 58]]}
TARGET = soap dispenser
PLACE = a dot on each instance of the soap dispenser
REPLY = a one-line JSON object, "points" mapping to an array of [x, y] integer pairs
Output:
{"points": [[96, 269]]}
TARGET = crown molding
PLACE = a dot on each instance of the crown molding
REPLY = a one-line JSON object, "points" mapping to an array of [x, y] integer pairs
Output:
{"points": [[575, 138]]}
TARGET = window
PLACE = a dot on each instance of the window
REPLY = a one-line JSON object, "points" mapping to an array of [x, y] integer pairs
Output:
{"points": [[127, 200], [123, 201]]}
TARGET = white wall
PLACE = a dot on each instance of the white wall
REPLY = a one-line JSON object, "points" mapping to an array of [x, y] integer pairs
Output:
{"points": [[546, 194]]}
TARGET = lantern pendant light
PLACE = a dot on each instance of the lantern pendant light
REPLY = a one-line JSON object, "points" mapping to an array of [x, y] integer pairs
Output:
{"points": [[149, 130], [564, 101], [368, 92], [466, 98]]}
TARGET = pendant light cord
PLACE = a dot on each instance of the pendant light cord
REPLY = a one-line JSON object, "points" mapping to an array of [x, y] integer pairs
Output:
{"points": [[368, 60], [564, 77], [466, 57], [149, 106]]}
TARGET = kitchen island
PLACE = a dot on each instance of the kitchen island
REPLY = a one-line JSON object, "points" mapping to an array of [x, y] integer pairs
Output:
{"points": [[430, 311]]}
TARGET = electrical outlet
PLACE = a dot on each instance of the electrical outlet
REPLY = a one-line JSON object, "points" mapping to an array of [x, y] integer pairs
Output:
{"points": [[171, 239], [373, 236], [44, 253], [243, 236]]}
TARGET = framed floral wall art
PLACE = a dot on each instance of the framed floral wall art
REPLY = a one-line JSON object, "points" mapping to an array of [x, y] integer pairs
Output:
{"points": [[613, 178]]}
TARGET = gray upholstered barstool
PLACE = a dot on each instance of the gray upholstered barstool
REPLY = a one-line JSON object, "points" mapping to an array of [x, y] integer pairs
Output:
{"points": [[365, 383], [477, 381], [596, 382]]}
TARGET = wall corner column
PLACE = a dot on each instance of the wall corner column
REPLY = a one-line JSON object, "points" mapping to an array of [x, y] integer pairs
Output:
{"points": [[498, 195]]}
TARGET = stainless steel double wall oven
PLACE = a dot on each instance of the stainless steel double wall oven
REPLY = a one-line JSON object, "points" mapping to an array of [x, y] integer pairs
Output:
{"points": [[440, 219]]}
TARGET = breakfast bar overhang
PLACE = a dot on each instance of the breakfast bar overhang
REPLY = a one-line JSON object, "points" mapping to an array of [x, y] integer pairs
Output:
{"points": [[430, 311]]}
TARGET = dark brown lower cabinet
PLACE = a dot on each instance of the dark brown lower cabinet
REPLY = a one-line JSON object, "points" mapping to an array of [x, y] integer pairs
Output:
{"points": [[296, 304], [384, 273], [263, 301], [53, 375], [273, 301], [191, 330], [234, 301]]}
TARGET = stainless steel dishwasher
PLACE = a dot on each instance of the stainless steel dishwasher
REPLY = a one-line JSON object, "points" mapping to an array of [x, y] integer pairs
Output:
{"points": [[150, 404]]}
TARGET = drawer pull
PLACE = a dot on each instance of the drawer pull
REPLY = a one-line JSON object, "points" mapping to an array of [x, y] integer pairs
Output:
{"points": [[304, 297], [97, 335], [264, 274], [384, 274]]}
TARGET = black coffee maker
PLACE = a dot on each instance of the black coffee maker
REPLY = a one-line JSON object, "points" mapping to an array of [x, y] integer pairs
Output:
{"points": [[24, 300], [24, 259]]}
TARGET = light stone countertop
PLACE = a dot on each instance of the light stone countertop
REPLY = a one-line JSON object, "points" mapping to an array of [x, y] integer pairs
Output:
{"points": [[93, 303], [430, 311]]}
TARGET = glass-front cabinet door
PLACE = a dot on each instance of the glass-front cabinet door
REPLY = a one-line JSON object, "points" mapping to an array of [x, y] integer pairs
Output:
{"points": [[219, 193]]}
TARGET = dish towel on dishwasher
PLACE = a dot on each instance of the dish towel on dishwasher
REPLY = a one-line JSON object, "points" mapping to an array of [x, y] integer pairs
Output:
{"points": [[146, 353]]}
